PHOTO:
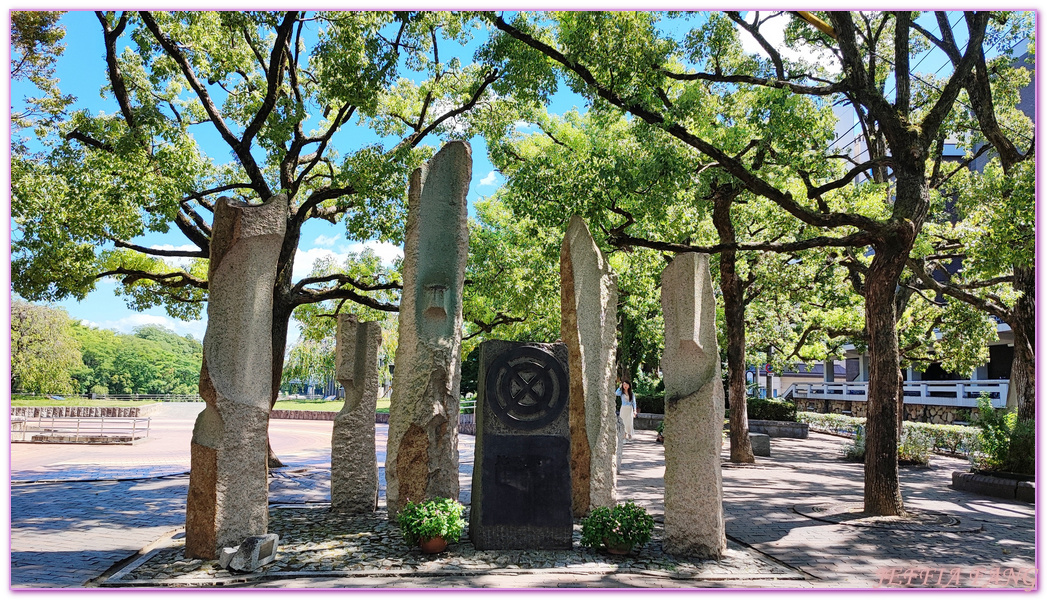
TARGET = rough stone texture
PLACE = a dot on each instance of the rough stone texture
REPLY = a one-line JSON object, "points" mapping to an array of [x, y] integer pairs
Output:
{"points": [[694, 406], [254, 553], [923, 413], [588, 322], [47, 412], [354, 467], [422, 458], [228, 493], [521, 487], [761, 443]]}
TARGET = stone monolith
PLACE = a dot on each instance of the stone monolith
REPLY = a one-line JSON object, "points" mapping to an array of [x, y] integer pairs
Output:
{"points": [[422, 456], [521, 490], [588, 325], [354, 468], [694, 408], [228, 487]]}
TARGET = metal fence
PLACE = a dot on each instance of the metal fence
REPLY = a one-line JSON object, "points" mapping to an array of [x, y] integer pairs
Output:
{"points": [[80, 430]]}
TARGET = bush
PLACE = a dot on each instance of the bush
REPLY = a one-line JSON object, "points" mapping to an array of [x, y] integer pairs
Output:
{"points": [[439, 517], [957, 439], [1022, 455], [100, 390], [770, 410], [831, 423], [915, 446], [654, 403], [626, 525]]}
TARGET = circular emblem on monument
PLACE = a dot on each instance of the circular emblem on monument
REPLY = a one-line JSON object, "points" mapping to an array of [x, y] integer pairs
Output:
{"points": [[526, 388]]}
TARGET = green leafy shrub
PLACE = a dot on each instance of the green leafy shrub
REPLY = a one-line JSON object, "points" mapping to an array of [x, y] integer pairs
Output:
{"points": [[653, 403], [915, 446], [100, 390], [957, 439], [770, 410], [1022, 455], [855, 451], [830, 423], [625, 525], [439, 517]]}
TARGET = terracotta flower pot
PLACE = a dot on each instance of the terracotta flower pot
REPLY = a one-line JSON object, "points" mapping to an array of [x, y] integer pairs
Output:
{"points": [[619, 549], [433, 545]]}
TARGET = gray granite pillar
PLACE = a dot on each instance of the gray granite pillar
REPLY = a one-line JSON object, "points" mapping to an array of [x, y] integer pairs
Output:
{"points": [[588, 325], [694, 411], [422, 457], [228, 487], [354, 468]]}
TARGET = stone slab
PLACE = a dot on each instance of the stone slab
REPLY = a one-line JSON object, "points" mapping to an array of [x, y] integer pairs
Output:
{"points": [[521, 488]]}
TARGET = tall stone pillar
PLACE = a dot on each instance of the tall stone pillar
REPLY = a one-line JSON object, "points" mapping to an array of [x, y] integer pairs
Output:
{"points": [[228, 487], [588, 325], [694, 408], [422, 456], [354, 468]]}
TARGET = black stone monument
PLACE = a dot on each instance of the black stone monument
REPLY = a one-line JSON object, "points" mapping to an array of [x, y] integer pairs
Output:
{"points": [[521, 492]]}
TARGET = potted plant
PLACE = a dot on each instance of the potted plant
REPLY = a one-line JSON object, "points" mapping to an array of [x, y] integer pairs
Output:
{"points": [[431, 524], [661, 432], [617, 529]]}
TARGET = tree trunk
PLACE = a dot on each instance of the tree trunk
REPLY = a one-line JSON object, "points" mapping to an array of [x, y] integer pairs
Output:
{"points": [[734, 322], [1023, 366], [282, 309], [882, 489]]}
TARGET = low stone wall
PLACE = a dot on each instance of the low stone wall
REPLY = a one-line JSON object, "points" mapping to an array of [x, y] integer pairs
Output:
{"points": [[997, 487], [465, 422], [779, 429], [923, 413], [647, 421], [33, 412], [303, 415]]}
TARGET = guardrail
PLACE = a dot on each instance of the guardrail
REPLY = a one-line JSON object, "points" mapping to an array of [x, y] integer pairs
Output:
{"points": [[80, 430], [939, 393]]}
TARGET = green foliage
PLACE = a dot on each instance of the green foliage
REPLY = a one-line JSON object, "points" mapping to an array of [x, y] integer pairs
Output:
{"points": [[625, 525], [770, 410], [152, 360], [1007, 443], [439, 517], [652, 403], [99, 390], [916, 442], [44, 351], [470, 372], [914, 446]]}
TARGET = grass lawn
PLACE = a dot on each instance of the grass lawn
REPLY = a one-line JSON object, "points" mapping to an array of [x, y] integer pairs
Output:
{"points": [[333, 406], [20, 400]]}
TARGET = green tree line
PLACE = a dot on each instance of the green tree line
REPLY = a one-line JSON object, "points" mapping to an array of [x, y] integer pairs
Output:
{"points": [[53, 354]]}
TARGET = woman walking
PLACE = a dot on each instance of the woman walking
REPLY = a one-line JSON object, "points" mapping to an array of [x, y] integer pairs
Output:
{"points": [[625, 392]]}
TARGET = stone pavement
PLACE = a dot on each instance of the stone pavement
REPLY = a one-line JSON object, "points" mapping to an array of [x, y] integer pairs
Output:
{"points": [[66, 533]]}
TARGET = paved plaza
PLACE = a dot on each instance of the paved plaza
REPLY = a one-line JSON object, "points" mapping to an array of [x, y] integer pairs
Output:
{"points": [[96, 515]]}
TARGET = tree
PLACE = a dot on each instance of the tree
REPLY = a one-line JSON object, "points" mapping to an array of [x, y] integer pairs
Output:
{"points": [[625, 61], [36, 43], [44, 353], [329, 108]]}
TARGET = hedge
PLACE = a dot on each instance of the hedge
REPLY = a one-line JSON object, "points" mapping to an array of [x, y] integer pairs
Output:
{"points": [[956, 439], [770, 410]]}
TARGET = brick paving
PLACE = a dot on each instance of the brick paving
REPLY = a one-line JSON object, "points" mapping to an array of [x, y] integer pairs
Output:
{"points": [[65, 532]]}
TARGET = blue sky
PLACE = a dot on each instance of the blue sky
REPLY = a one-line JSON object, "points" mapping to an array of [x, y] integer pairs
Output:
{"points": [[81, 71]]}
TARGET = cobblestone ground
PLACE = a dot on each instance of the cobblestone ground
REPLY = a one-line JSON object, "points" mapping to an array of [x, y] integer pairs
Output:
{"points": [[787, 518]]}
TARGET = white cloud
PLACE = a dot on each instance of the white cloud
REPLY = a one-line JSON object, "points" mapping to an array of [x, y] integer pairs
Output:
{"points": [[177, 261], [773, 30], [305, 259], [490, 180], [128, 323], [327, 241]]}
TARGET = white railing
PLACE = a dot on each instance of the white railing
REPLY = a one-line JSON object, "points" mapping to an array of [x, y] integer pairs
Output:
{"points": [[79, 430], [941, 393]]}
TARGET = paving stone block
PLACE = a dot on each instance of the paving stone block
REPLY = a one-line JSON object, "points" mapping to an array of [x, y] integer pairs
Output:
{"points": [[761, 443]]}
